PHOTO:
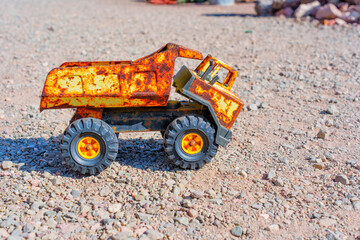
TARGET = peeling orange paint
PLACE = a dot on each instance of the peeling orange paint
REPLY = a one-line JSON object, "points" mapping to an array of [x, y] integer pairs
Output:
{"points": [[86, 113], [225, 103], [143, 82]]}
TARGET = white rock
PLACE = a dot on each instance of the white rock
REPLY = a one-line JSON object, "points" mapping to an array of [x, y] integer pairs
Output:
{"points": [[6, 165], [154, 235], [305, 10], [114, 207], [327, 222], [273, 228]]}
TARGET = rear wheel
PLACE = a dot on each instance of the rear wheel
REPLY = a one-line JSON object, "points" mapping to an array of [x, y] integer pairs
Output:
{"points": [[89, 145], [189, 142]]}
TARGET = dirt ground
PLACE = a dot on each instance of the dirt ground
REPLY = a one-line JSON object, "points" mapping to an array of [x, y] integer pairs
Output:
{"points": [[275, 180]]}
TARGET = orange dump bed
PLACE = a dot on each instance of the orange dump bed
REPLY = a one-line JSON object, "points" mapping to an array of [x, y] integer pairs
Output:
{"points": [[141, 83]]}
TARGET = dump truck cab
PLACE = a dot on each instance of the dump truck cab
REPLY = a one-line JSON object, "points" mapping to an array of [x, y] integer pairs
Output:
{"points": [[205, 86], [111, 97]]}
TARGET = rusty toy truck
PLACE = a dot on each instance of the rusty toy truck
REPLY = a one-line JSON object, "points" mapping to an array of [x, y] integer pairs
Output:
{"points": [[133, 96]]}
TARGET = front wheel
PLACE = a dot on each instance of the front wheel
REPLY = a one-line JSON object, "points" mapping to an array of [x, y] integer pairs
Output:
{"points": [[89, 145], [189, 142]]}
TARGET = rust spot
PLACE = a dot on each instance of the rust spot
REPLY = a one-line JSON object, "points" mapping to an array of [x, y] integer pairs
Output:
{"points": [[143, 82], [100, 72], [87, 112]]}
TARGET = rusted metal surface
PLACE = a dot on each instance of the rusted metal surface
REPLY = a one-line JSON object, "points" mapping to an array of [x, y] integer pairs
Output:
{"points": [[86, 113], [226, 105], [218, 64], [151, 118], [143, 82], [199, 83]]}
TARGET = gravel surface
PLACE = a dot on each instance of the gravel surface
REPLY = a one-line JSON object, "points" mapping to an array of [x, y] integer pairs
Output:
{"points": [[290, 172]]}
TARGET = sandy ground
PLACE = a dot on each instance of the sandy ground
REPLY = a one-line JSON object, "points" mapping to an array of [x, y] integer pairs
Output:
{"points": [[295, 70]]}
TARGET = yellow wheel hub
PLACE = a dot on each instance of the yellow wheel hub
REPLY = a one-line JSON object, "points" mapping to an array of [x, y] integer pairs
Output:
{"points": [[88, 147], [192, 143]]}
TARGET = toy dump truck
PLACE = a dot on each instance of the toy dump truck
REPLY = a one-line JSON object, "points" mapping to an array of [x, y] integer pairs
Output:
{"points": [[133, 96]]}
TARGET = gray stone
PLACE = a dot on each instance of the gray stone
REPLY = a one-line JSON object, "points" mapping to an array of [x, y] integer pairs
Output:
{"points": [[51, 223], [36, 206], [75, 193], [197, 194], [6, 165], [278, 182], [216, 201], [46, 174], [154, 235], [15, 235], [256, 206], [170, 182], [331, 110], [236, 231], [252, 107], [356, 205], [271, 174], [7, 223], [273, 228], [105, 191], [139, 197], [27, 228], [182, 220], [327, 222], [121, 236], [195, 223], [50, 213], [316, 215], [186, 203], [330, 235], [114, 207], [70, 215], [3, 233], [144, 237], [264, 105], [341, 178], [55, 181], [263, 7], [143, 216], [284, 160]]}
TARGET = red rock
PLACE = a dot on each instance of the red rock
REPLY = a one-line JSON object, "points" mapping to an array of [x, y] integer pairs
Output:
{"points": [[287, 12], [329, 22], [328, 11]]}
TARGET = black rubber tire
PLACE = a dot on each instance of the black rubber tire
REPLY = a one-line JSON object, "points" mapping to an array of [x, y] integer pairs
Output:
{"points": [[97, 129], [174, 134], [162, 133]]}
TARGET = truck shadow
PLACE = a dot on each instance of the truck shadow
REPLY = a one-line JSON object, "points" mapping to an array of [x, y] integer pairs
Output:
{"points": [[40, 155]]}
